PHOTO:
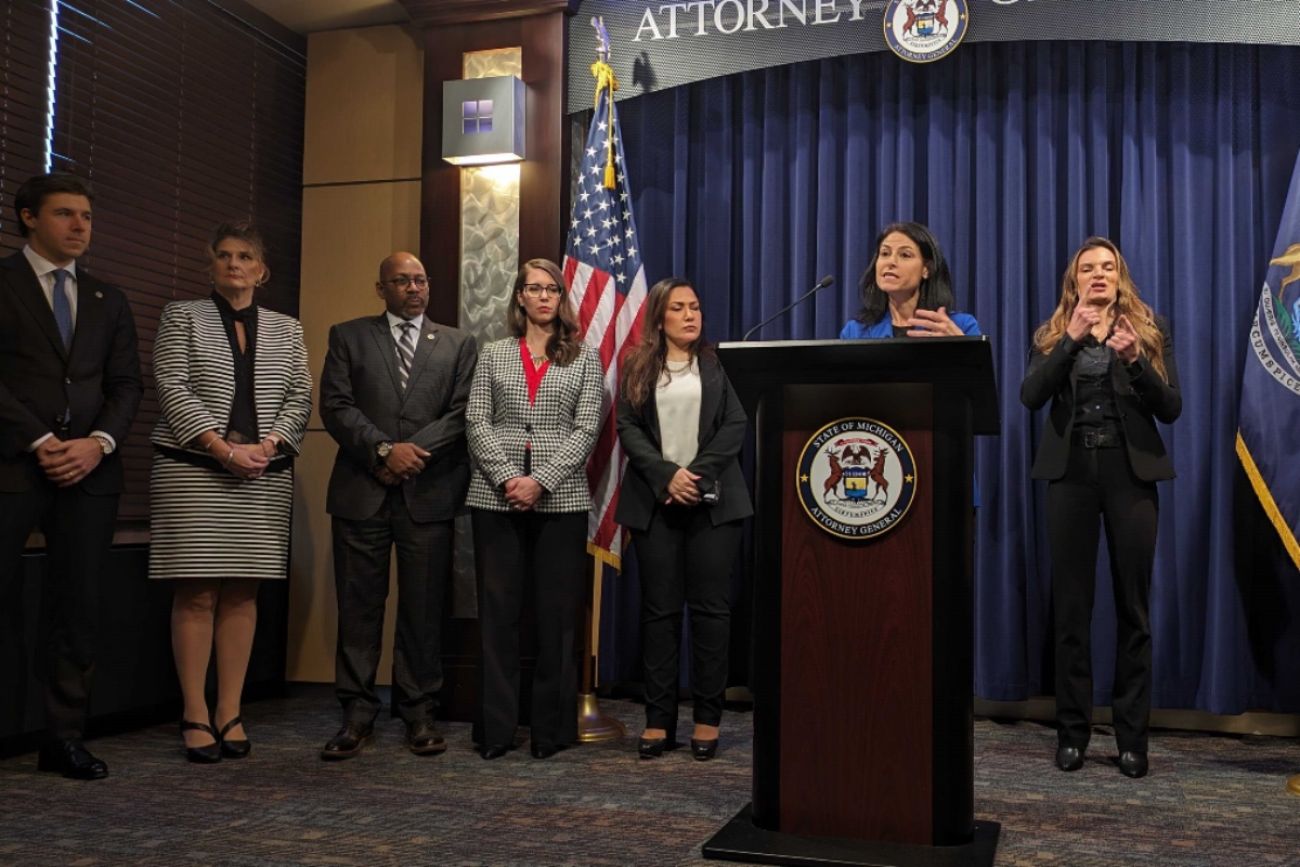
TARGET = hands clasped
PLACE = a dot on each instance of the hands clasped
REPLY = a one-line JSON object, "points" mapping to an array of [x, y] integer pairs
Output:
{"points": [[247, 460], [682, 488], [405, 461], [67, 462], [522, 492]]}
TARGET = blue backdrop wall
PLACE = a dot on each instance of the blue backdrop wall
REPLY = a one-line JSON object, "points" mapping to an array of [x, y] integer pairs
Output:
{"points": [[756, 184]]}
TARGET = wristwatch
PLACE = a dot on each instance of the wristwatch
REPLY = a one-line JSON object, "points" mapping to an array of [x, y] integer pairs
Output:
{"points": [[104, 445], [383, 450]]}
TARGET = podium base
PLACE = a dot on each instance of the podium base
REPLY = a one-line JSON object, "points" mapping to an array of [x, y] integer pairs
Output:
{"points": [[742, 840]]}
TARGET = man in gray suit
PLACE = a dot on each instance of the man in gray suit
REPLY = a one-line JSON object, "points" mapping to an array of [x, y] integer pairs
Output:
{"points": [[393, 396]]}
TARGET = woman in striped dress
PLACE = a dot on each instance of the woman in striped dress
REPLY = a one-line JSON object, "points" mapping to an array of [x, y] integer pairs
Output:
{"points": [[234, 392]]}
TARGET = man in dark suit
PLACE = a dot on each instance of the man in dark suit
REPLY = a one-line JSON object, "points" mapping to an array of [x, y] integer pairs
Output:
{"points": [[393, 396], [69, 388]]}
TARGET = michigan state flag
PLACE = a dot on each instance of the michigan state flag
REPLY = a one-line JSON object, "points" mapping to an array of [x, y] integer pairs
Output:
{"points": [[1268, 432]]}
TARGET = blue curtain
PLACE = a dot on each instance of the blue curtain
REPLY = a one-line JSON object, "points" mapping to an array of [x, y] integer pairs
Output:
{"points": [[756, 184]]}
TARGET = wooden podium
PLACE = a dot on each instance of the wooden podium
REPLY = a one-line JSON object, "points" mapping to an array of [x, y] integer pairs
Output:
{"points": [[862, 648]]}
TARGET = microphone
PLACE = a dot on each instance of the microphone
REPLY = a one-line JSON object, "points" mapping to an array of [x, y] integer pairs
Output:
{"points": [[821, 284]]}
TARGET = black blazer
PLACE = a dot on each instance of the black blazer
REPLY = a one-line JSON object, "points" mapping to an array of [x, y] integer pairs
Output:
{"points": [[1141, 396], [97, 380], [722, 432], [363, 404]]}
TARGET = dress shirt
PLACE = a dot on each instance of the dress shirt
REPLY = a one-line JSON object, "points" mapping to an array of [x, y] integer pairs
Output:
{"points": [[45, 269], [395, 326], [1094, 395]]}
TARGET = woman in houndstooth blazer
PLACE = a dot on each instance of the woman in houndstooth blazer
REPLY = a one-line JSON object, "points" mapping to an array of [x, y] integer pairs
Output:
{"points": [[533, 415], [234, 393]]}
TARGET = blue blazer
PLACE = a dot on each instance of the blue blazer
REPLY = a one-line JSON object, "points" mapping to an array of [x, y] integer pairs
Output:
{"points": [[884, 329]]}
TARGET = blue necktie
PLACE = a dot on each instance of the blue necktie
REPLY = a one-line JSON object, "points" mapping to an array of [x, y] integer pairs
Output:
{"points": [[62, 309]]}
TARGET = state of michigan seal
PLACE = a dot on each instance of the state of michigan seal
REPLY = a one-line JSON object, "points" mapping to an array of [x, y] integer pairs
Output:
{"points": [[925, 30], [856, 478]]}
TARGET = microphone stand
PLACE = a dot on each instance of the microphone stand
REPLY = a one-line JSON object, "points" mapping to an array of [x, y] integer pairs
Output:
{"points": [[821, 284]]}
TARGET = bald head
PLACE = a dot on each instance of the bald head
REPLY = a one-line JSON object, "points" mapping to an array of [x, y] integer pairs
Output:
{"points": [[398, 262], [403, 285]]}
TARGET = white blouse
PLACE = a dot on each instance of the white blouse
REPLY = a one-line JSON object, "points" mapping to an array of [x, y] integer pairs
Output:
{"points": [[677, 402]]}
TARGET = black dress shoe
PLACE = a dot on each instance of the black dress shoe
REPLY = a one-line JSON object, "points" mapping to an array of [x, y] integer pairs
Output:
{"points": [[208, 754], [233, 749], [702, 750], [72, 759], [350, 740], [653, 748], [423, 738], [542, 749], [1133, 764], [493, 751], [1069, 758]]}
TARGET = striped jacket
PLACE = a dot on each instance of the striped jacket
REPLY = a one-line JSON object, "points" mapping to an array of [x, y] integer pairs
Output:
{"points": [[194, 374], [562, 426]]}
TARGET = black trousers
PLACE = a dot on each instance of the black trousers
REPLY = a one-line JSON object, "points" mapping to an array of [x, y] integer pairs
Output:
{"points": [[1100, 481], [78, 530], [685, 560], [362, 551], [517, 555]]}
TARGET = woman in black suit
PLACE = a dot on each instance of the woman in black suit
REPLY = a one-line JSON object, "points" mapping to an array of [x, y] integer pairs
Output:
{"points": [[684, 500], [1106, 362]]}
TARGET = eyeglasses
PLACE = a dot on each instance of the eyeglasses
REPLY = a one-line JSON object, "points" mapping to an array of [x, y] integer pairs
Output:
{"points": [[537, 290], [401, 281]]}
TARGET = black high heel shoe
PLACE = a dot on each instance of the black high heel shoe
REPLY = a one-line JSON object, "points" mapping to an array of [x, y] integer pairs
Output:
{"points": [[702, 750], [204, 755], [233, 749], [653, 748]]}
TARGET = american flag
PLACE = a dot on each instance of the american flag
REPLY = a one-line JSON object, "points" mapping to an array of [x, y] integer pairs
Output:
{"points": [[602, 264]]}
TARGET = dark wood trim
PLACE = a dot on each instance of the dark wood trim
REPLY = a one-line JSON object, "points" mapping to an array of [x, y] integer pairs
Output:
{"points": [[541, 218], [441, 13]]}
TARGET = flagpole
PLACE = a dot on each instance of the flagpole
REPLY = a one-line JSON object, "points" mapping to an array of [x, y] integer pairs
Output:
{"points": [[593, 725]]}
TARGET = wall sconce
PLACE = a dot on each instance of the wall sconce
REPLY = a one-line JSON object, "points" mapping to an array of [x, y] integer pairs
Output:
{"points": [[483, 121]]}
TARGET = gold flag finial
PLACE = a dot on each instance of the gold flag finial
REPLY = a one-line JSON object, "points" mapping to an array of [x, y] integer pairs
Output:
{"points": [[605, 81]]}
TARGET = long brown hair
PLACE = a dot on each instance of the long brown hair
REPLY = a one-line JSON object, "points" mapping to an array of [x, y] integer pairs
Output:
{"points": [[1127, 303], [565, 343], [645, 364]]}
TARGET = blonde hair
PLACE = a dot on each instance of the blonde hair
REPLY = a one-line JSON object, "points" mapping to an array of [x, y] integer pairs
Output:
{"points": [[1127, 303]]}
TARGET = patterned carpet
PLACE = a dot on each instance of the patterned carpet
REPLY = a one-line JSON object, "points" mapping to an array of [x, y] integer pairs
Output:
{"points": [[1211, 800]]}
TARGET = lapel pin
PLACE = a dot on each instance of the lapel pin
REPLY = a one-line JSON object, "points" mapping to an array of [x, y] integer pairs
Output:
{"points": [[99, 294], [428, 337]]}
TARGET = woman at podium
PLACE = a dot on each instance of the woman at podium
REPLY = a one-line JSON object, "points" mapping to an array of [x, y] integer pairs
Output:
{"points": [[907, 291], [1106, 362], [683, 499]]}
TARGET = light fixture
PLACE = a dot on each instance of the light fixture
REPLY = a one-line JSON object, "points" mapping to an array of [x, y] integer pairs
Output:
{"points": [[483, 121]]}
